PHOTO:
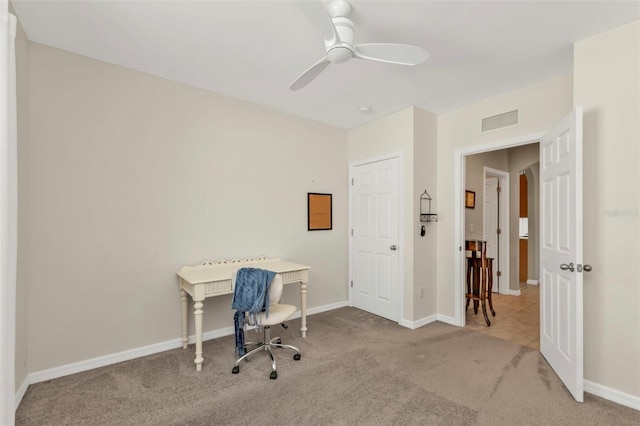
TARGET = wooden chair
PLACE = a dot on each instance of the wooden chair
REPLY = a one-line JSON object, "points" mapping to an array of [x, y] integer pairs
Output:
{"points": [[479, 277]]}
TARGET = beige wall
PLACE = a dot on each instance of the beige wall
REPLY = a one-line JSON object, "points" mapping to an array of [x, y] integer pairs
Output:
{"points": [[131, 176], [393, 134], [513, 161], [412, 133], [541, 105], [22, 92], [425, 249], [607, 86], [520, 158], [474, 181]]}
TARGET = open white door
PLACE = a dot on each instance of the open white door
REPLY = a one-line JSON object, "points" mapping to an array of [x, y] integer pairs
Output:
{"points": [[561, 340]]}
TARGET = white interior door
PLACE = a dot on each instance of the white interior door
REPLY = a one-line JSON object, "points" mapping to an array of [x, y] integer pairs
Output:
{"points": [[375, 248], [491, 224], [561, 251]]}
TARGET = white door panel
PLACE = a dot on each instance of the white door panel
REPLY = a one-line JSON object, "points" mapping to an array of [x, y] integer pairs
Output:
{"points": [[491, 224], [561, 339], [375, 230]]}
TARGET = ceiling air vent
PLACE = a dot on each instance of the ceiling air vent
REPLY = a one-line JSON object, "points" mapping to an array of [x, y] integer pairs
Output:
{"points": [[506, 119]]}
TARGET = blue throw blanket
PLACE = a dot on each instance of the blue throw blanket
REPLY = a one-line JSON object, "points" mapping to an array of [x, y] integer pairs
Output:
{"points": [[250, 296]]}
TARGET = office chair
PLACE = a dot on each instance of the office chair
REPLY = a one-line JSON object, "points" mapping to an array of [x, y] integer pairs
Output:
{"points": [[278, 313]]}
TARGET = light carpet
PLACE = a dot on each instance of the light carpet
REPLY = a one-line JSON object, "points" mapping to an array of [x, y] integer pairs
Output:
{"points": [[356, 369]]}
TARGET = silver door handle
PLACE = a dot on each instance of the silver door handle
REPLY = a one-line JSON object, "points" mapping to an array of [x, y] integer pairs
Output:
{"points": [[394, 247], [564, 267], [585, 268]]}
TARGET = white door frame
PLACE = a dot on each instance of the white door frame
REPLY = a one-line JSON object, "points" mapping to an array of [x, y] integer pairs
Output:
{"points": [[458, 187], [503, 206], [401, 225]]}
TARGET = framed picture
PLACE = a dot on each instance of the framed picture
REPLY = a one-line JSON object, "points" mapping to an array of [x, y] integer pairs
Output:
{"points": [[318, 211], [470, 199]]}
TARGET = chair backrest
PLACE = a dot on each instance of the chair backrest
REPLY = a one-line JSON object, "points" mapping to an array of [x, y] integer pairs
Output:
{"points": [[275, 290], [478, 249]]}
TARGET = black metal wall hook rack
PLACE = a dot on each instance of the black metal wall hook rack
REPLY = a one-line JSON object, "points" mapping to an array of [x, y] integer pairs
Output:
{"points": [[425, 211]]}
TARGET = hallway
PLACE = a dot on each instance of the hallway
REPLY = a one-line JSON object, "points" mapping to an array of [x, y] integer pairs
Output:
{"points": [[517, 317]]}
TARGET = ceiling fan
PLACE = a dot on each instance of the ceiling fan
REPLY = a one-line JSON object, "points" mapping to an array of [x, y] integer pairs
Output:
{"points": [[338, 32]]}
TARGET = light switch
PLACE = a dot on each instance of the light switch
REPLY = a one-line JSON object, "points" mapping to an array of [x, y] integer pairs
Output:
{"points": [[471, 227]]}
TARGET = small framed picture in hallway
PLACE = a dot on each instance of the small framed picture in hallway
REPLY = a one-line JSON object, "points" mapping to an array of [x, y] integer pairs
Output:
{"points": [[470, 199]]}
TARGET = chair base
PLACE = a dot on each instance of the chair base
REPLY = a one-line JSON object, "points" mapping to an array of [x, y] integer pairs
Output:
{"points": [[267, 346]]}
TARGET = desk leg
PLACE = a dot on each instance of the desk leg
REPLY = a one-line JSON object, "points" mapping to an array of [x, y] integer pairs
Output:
{"points": [[185, 337], [197, 313], [303, 308]]}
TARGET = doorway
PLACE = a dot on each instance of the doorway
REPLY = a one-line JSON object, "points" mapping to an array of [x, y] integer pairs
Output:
{"points": [[516, 302], [496, 225], [561, 239]]}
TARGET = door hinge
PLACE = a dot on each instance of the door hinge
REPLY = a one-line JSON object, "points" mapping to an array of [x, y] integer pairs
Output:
{"points": [[498, 231], [498, 274], [351, 181], [351, 283], [498, 189], [352, 232]]}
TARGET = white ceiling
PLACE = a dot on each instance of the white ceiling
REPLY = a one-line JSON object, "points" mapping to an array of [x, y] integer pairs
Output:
{"points": [[253, 50]]}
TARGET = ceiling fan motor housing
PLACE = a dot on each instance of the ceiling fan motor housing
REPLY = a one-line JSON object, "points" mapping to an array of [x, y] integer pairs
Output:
{"points": [[341, 50], [339, 54]]}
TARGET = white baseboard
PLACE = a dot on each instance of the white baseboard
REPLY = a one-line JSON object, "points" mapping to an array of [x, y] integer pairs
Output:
{"points": [[323, 308], [510, 292], [448, 320], [21, 391], [90, 364], [419, 323], [533, 282], [428, 320], [613, 395]]}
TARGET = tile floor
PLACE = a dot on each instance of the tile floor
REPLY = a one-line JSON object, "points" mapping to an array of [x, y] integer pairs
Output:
{"points": [[517, 317]]}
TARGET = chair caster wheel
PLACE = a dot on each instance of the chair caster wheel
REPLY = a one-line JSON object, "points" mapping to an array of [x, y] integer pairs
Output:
{"points": [[279, 341], [273, 375], [296, 357], [235, 370]]}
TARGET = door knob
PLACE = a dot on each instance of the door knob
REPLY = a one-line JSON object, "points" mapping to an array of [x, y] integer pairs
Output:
{"points": [[564, 267], [394, 247], [587, 268]]}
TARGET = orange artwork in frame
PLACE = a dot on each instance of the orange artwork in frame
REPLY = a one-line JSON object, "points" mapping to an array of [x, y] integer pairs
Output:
{"points": [[470, 199], [319, 212]]}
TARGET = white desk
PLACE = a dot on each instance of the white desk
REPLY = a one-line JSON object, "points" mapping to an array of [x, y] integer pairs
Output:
{"points": [[211, 279]]}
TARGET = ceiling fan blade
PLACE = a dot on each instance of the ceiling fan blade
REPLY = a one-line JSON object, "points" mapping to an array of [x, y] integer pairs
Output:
{"points": [[312, 72], [318, 16], [402, 54]]}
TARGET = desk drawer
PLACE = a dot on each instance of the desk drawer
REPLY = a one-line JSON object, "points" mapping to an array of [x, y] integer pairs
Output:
{"points": [[217, 287], [292, 277]]}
